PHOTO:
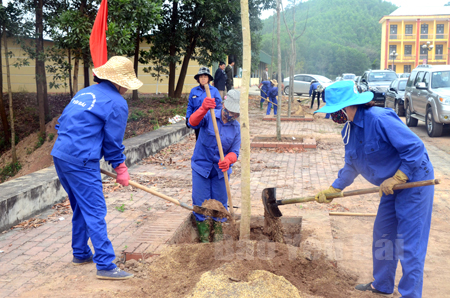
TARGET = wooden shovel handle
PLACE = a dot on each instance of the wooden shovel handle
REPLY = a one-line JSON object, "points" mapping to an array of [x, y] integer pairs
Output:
{"points": [[149, 190], [361, 191], [219, 145]]}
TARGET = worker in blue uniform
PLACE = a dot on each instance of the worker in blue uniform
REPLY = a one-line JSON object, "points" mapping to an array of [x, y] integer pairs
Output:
{"points": [[207, 169], [273, 93], [198, 94], [385, 152], [92, 126], [313, 90], [264, 86]]}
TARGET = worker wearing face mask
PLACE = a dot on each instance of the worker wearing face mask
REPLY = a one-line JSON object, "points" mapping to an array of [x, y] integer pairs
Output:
{"points": [[386, 153], [207, 169]]}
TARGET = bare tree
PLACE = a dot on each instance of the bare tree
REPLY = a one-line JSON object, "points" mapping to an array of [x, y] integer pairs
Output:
{"points": [[2, 108], [245, 124], [293, 55]]}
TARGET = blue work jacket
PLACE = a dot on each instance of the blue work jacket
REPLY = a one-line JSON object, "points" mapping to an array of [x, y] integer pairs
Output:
{"points": [[91, 126], [273, 93], [196, 97], [313, 87], [220, 79], [265, 88], [206, 152], [379, 145]]}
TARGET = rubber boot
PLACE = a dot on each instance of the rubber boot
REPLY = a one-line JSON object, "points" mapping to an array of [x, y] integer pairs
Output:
{"points": [[261, 105], [218, 232], [203, 231]]}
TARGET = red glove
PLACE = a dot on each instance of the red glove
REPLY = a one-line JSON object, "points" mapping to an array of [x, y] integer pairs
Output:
{"points": [[228, 160], [197, 116], [122, 174]]}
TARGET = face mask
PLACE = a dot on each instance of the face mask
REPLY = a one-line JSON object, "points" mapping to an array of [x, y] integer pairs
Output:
{"points": [[339, 117], [228, 116]]}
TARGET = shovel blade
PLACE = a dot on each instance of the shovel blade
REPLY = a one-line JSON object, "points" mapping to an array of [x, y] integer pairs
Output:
{"points": [[270, 202], [210, 212]]}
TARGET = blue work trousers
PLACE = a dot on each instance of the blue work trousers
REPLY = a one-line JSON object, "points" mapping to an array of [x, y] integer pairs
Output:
{"points": [[208, 188], [85, 190], [269, 106], [263, 96], [400, 232]]}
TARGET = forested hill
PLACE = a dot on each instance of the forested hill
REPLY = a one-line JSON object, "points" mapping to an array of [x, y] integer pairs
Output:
{"points": [[340, 36]]}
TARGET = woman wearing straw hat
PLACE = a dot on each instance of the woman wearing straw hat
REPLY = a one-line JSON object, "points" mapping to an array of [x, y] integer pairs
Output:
{"points": [[92, 126], [385, 152], [207, 169], [273, 93], [198, 94]]}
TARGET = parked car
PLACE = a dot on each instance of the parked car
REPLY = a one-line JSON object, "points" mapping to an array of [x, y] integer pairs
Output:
{"points": [[356, 79], [302, 83], [377, 82], [394, 96], [404, 75], [427, 98], [348, 76]]}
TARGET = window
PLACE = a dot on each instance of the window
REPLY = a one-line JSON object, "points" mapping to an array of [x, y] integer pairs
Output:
{"points": [[411, 79], [419, 77], [390, 67], [308, 79], [408, 50], [424, 31], [393, 32], [439, 51], [408, 29], [407, 68], [298, 78], [423, 53], [426, 79], [402, 85], [440, 31]]}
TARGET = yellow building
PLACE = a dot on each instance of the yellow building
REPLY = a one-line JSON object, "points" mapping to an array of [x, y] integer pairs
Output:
{"points": [[414, 35]]}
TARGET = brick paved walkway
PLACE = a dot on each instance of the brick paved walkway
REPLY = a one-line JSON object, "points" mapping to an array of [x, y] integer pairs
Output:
{"points": [[30, 257]]}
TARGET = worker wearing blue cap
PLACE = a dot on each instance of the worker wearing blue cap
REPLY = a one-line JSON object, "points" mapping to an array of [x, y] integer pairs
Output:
{"points": [[380, 147]]}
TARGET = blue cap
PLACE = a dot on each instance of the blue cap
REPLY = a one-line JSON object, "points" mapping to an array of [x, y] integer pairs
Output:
{"points": [[343, 94]]}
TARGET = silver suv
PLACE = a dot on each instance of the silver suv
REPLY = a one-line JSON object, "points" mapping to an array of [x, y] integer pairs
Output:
{"points": [[427, 98]]}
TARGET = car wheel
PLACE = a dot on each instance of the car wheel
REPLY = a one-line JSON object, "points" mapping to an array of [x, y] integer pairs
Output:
{"points": [[410, 122], [433, 129], [399, 109], [286, 90]]}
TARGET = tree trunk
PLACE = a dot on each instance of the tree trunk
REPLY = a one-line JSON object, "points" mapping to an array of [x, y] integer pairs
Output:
{"points": [[86, 69], [11, 113], [184, 67], [38, 67], [245, 125], [136, 61], [5, 124], [273, 33], [76, 65], [279, 73], [69, 57], [172, 50]]}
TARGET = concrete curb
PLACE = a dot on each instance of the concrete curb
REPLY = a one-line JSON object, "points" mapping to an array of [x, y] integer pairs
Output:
{"points": [[26, 196]]}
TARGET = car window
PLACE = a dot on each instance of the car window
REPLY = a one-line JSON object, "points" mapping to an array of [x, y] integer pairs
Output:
{"points": [[393, 84], [426, 79], [419, 77], [323, 79], [308, 79], [348, 76], [402, 85], [440, 79], [298, 78], [411, 79], [382, 76]]}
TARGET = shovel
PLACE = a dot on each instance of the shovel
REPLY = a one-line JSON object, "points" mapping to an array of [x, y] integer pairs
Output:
{"points": [[271, 203], [197, 209], [219, 145]]}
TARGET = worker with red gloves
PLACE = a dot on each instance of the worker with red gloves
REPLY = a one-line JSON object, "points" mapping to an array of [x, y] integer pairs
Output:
{"points": [[207, 169], [92, 126]]}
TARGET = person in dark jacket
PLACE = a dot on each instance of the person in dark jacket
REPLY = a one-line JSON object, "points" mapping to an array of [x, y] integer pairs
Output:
{"points": [[315, 92], [92, 127], [220, 79], [230, 75]]}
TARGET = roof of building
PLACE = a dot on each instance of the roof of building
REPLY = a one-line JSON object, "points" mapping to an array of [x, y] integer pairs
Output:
{"points": [[412, 10]]}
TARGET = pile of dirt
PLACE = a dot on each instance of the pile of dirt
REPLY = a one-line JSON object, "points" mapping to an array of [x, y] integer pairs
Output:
{"points": [[176, 272]]}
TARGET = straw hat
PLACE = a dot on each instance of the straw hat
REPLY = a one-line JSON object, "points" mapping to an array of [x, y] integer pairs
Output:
{"points": [[231, 102], [119, 70], [274, 82]]}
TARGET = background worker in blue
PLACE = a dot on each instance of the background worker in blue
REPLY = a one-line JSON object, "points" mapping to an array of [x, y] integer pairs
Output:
{"points": [[313, 90], [207, 169], [92, 126], [198, 94], [385, 152], [273, 93], [264, 86]]}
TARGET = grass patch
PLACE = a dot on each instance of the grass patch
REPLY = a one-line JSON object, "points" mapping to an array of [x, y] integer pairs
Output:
{"points": [[41, 141], [10, 170]]}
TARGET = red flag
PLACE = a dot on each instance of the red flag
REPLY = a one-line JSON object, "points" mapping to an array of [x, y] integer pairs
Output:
{"points": [[97, 41]]}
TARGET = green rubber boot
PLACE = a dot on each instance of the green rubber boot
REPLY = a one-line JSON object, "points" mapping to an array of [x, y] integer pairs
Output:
{"points": [[203, 231], [218, 232], [261, 105]]}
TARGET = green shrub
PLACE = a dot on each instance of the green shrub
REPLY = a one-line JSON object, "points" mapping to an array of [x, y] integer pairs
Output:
{"points": [[51, 136], [41, 141], [9, 171], [136, 115]]}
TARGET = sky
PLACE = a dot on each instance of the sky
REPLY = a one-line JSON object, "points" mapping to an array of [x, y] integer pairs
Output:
{"points": [[399, 3]]}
